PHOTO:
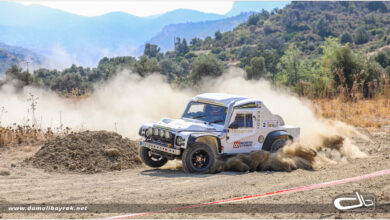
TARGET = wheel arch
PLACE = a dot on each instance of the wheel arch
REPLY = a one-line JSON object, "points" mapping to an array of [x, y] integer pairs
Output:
{"points": [[211, 140], [273, 136]]}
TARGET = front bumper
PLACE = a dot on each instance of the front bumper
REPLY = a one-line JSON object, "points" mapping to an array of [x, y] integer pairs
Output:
{"points": [[162, 147]]}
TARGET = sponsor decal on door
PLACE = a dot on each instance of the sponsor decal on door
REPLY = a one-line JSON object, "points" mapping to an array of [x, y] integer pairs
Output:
{"points": [[239, 144]]}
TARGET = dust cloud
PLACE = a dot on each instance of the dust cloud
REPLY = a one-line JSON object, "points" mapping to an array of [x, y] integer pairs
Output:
{"points": [[126, 102], [333, 149], [122, 105]]}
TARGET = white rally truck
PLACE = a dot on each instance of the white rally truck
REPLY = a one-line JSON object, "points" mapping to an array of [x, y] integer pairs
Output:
{"points": [[213, 125]]}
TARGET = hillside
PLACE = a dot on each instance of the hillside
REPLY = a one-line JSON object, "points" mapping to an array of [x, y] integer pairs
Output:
{"points": [[165, 39], [306, 25], [10, 55], [362, 24]]}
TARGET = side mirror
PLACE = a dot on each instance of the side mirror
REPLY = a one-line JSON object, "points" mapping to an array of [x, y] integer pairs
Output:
{"points": [[233, 126]]}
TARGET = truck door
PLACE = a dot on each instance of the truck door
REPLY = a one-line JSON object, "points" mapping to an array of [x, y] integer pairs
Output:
{"points": [[242, 132]]}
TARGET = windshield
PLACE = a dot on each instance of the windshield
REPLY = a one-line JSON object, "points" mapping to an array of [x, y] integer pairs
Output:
{"points": [[206, 112]]}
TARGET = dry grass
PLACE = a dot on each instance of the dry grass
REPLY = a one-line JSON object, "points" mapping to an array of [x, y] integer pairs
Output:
{"points": [[23, 135], [373, 113]]}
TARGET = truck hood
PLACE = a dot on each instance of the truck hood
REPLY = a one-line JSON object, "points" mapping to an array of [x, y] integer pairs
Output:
{"points": [[187, 125]]}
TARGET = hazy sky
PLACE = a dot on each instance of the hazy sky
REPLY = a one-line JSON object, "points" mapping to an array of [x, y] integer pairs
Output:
{"points": [[139, 8]]}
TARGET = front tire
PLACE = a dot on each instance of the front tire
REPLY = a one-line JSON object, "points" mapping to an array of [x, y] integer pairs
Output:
{"points": [[151, 160], [198, 158]]}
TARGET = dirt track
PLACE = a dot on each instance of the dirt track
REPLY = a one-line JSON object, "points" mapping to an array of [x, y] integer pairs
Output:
{"points": [[171, 185]]}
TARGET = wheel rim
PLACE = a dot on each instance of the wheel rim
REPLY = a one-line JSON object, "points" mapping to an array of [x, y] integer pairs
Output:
{"points": [[200, 159]]}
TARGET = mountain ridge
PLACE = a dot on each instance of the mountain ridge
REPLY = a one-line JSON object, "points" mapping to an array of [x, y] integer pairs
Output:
{"points": [[189, 30], [11, 55], [68, 38]]}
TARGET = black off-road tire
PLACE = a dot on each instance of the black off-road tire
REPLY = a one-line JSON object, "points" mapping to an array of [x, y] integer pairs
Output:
{"points": [[194, 152], [278, 144], [148, 159]]}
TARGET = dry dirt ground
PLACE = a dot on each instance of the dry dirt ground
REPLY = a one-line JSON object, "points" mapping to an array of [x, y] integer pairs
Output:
{"points": [[170, 185]]}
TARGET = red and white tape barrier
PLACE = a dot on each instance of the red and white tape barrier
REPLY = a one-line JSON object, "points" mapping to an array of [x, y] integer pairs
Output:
{"points": [[279, 192]]}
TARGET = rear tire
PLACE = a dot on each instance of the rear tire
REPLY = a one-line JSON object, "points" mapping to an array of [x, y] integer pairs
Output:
{"points": [[151, 160], [277, 144], [198, 158]]}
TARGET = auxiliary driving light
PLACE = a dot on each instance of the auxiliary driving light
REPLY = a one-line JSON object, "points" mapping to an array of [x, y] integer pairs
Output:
{"points": [[149, 132], [161, 133], [155, 131], [167, 135]]}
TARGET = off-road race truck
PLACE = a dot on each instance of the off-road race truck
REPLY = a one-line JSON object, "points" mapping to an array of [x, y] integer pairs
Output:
{"points": [[214, 124]]}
